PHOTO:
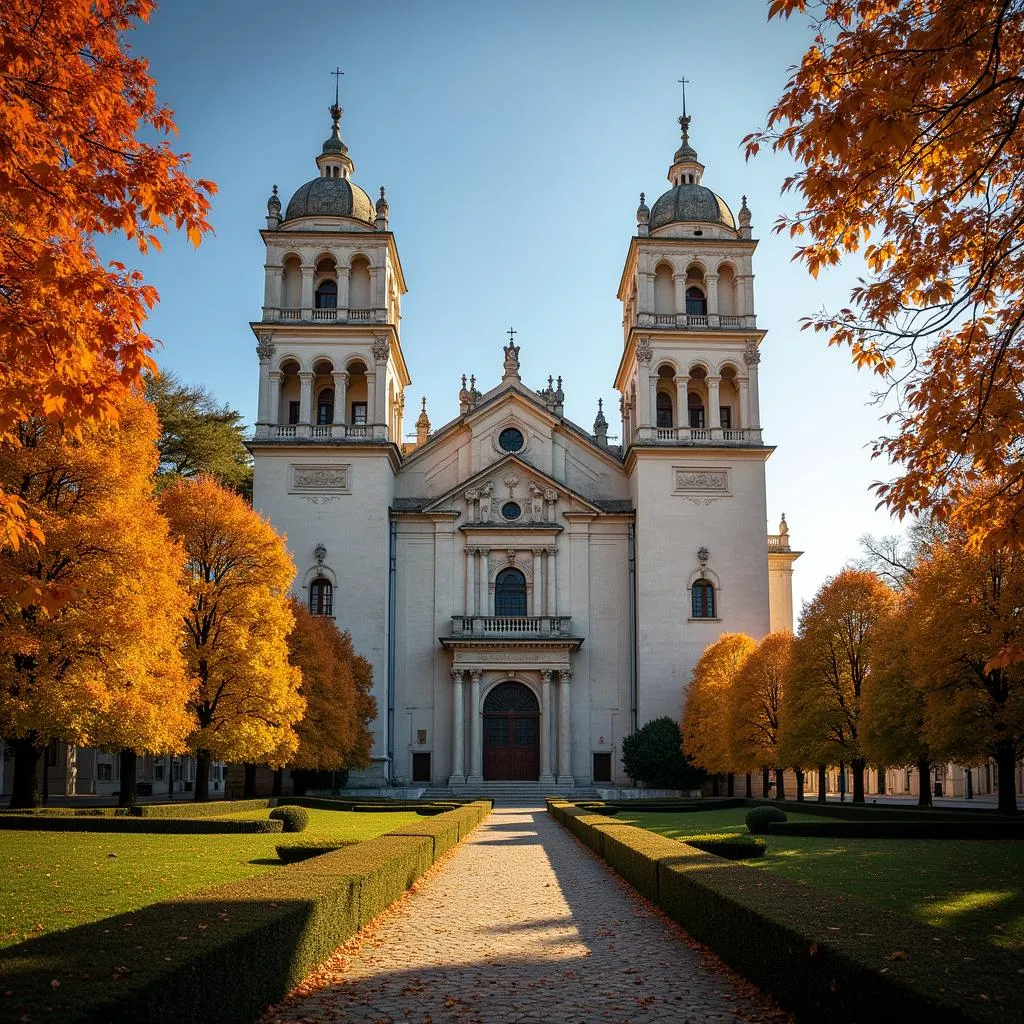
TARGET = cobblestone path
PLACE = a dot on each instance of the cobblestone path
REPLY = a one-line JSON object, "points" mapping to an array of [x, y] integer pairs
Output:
{"points": [[522, 924]]}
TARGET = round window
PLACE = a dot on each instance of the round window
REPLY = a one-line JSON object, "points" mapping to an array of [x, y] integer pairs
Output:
{"points": [[510, 510], [511, 439]]}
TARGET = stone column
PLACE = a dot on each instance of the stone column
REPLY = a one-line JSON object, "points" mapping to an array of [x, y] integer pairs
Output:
{"points": [[307, 293], [751, 356], [652, 397], [483, 606], [306, 378], [565, 777], [476, 750], [265, 351], [274, 401], [682, 398], [343, 279], [458, 776], [711, 287], [743, 413], [271, 291], [470, 580], [538, 582], [371, 400], [552, 587], [381, 353], [714, 412], [546, 776], [679, 280], [340, 396]]}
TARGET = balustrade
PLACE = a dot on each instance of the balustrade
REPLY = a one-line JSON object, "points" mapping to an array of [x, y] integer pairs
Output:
{"points": [[511, 625]]}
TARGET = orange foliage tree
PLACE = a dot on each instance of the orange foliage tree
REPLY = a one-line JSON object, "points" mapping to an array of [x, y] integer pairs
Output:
{"points": [[238, 570], [336, 682], [967, 603], [71, 103], [706, 708], [904, 116], [831, 660], [104, 667], [754, 709]]}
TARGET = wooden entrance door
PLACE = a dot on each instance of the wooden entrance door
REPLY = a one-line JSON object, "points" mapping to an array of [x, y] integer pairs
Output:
{"points": [[511, 734]]}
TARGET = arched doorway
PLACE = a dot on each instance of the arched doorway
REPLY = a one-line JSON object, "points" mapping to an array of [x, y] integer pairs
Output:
{"points": [[510, 593], [511, 733]]}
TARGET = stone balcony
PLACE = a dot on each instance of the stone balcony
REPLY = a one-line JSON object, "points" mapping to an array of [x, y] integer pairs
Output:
{"points": [[512, 626], [273, 314], [701, 322], [713, 436], [321, 432]]}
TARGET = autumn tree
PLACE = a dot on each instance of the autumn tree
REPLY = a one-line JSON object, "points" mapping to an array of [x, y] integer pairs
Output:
{"points": [[198, 434], [72, 103], [654, 757], [334, 731], [753, 715], [892, 726], [103, 667], [831, 660], [904, 119], [706, 707], [967, 604], [238, 570]]}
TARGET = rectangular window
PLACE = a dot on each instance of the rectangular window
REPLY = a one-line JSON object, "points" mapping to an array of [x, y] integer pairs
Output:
{"points": [[104, 772], [421, 767], [725, 416], [602, 767], [293, 412], [359, 413], [697, 419], [158, 772]]}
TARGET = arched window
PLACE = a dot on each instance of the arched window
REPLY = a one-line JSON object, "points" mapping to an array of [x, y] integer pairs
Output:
{"points": [[664, 401], [696, 303], [321, 597], [510, 593], [325, 407], [703, 600], [664, 291], [327, 295], [695, 407], [359, 284]]}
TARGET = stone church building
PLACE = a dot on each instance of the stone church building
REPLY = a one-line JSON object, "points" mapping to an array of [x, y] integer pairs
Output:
{"points": [[528, 593]]}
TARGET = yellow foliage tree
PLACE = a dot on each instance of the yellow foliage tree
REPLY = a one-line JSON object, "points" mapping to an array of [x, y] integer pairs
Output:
{"points": [[72, 101], [905, 118], [237, 571], [104, 667], [831, 660], [754, 709], [706, 708]]}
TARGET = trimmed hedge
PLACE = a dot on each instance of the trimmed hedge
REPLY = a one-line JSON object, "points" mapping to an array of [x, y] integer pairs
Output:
{"points": [[876, 812], [193, 826], [924, 829], [730, 845], [293, 853], [219, 956], [759, 818], [294, 819], [832, 958], [191, 809], [321, 803]]}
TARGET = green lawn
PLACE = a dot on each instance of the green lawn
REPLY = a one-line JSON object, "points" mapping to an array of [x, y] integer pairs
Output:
{"points": [[973, 887], [56, 880]]}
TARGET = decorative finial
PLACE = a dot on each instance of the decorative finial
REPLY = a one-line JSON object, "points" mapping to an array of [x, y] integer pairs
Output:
{"points": [[337, 72], [601, 424], [744, 216], [643, 198], [643, 214], [424, 403], [382, 193], [275, 192], [511, 350]]}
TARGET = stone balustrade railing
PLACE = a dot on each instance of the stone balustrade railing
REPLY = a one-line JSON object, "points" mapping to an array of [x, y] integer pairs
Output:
{"points": [[510, 625]]}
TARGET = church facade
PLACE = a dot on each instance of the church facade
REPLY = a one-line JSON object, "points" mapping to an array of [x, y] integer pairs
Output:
{"points": [[528, 593]]}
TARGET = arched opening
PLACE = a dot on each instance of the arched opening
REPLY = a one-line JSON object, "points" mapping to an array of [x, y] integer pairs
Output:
{"points": [[696, 302], [327, 295], [357, 394], [726, 291], [291, 284], [321, 597], [359, 284], [695, 408], [325, 407], [510, 593], [703, 600], [664, 401], [665, 397], [664, 294], [290, 393], [511, 733], [729, 399]]}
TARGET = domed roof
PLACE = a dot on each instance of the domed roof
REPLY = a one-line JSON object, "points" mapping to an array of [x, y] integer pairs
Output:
{"points": [[330, 197], [689, 202]]}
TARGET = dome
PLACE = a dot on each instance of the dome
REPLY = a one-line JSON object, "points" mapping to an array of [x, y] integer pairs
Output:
{"points": [[330, 197], [688, 202]]}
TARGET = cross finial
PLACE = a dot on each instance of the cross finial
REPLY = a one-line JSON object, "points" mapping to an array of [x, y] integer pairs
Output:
{"points": [[337, 72], [511, 332], [684, 82]]}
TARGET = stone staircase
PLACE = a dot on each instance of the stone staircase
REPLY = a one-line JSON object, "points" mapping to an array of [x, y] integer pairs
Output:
{"points": [[511, 794]]}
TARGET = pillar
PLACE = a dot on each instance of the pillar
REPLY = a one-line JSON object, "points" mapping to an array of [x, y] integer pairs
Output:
{"points": [[565, 777], [652, 398], [682, 399], [483, 604], [307, 294], [470, 580], [751, 356], [711, 287], [538, 581], [274, 401], [476, 750], [343, 279], [458, 776], [679, 280], [545, 729], [340, 396], [263, 406], [552, 582], [714, 412], [371, 398], [271, 290], [306, 378], [744, 410]]}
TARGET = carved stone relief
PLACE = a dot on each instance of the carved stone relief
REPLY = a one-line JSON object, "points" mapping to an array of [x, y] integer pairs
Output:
{"points": [[322, 479]]}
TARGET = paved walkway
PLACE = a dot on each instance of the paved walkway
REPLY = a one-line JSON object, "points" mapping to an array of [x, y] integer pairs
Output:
{"points": [[522, 924]]}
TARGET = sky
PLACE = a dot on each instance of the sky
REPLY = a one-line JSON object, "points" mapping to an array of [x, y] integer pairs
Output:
{"points": [[514, 140]]}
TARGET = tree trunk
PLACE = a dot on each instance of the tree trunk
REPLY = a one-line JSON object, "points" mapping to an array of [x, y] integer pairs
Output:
{"points": [[881, 780], [129, 794], [924, 784], [968, 783], [1006, 765], [714, 785], [249, 785], [780, 784], [278, 782], [730, 785], [842, 781], [822, 782], [25, 785], [750, 785], [203, 760], [765, 783], [799, 773], [858, 780]]}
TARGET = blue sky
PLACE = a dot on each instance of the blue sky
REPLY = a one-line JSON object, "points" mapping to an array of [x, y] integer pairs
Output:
{"points": [[514, 140]]}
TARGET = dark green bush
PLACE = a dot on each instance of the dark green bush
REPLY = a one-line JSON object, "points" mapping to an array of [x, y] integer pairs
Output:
{"points": [[653, 756], [177, 826], [760, 818], [294, 819], [295, 852], [191, 809], [731, 845]]}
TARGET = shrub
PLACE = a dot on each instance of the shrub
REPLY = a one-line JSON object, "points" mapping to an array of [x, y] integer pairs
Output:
{"points": [[653, 756], [178, 826], [760, 818], [292, 854], [191, 809], [731, 845], [294, 819]]}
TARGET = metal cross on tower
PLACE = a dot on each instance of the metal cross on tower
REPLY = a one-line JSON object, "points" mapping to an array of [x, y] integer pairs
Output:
{"points": [[337, 72], [511, 332], [683, 82]]}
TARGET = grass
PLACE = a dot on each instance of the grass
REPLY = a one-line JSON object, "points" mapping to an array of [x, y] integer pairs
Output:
{"points": [[55, 880], [973, 887]]}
